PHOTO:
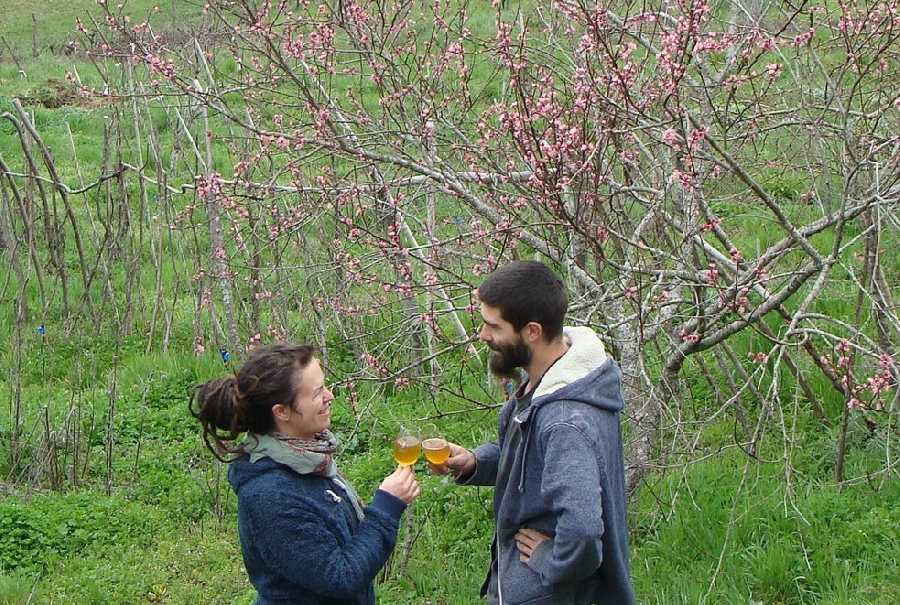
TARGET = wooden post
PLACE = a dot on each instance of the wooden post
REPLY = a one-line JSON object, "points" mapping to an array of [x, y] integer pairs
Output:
{"points": [[34, 45]]}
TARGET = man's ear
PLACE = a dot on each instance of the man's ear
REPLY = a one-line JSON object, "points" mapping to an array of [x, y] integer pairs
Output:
{"points": [[532, 332], [281, 412]]}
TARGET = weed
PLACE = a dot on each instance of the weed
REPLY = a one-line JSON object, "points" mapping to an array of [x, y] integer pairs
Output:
{"points": [[16, 588]]}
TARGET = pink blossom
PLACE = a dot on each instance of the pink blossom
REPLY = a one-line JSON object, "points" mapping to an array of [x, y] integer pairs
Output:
{"points": [[712, 224], [209, 186], [804, 37], [670, 138], [759, 357], [689, 337], [683, 178], [696, 137], [878, 383]]}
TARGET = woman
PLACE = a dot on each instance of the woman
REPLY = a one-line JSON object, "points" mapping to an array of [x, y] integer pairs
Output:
{"points": [[305, 536]]}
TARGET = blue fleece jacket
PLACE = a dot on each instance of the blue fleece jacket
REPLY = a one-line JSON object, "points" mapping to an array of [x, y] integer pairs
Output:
{"points": [[558, 467], [301, 539]]}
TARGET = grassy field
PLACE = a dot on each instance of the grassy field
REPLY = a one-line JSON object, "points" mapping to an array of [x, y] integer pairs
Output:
{"points": [[110, 497]]}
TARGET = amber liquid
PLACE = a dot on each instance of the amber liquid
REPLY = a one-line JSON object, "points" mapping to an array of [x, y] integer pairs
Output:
{"points": [[436, 450], [406, 450]]}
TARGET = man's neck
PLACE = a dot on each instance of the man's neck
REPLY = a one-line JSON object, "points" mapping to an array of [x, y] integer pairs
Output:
{"points": [[542, 358]]}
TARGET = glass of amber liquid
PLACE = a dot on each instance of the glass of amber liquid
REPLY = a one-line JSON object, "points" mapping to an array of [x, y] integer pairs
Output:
{"points": [[436, 448], [407, 446]]}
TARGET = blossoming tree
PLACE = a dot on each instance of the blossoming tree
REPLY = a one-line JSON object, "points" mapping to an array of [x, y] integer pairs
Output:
{"points": [[717, 180]]}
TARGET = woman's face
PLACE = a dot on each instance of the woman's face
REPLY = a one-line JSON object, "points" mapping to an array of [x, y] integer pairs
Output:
{"points": [[310, 412]]}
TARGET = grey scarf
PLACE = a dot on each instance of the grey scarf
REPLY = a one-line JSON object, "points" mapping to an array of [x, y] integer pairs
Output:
{"points": [[304, 456]]}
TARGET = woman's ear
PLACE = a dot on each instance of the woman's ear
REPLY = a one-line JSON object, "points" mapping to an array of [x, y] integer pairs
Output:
{"points": [[282, 412]]}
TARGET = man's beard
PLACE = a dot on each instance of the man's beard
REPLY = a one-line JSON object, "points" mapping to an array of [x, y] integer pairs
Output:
{"points": [[507, 358]]}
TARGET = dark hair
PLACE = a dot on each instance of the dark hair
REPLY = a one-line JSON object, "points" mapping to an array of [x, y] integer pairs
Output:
{"points": [[229, 406], [526, 291]]}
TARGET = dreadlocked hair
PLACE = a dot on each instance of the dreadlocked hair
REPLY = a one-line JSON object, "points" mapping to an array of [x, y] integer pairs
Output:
{"points": [[232, 405]]}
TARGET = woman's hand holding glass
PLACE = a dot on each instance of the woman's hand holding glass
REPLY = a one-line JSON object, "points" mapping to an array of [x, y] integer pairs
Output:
{"points": [[402, 484]]}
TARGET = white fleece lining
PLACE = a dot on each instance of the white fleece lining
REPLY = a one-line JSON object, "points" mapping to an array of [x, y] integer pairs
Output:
{"points": [[586, 352]]}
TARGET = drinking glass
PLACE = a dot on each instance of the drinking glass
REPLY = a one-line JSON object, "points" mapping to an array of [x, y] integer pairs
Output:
{"points": [[407, 446], [436, 448]]}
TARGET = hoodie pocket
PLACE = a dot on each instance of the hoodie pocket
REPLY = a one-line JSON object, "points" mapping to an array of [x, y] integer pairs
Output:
{"points": [[554, 599], [522, 586]]}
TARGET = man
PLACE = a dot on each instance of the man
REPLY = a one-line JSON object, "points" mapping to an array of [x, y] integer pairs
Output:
{"points": [[557, 466]]}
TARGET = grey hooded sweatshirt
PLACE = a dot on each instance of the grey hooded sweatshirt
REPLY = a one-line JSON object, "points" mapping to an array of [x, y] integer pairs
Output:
{"points": [[558, 468]]}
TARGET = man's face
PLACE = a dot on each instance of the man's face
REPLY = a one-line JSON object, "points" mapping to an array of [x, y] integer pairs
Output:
{"points": [[509, 350]]}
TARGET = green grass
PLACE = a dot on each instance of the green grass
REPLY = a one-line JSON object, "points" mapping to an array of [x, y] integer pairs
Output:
{"points": [[724, 530], [16, 588], [823, 544]]}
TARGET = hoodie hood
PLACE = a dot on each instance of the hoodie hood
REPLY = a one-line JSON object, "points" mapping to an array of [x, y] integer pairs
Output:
{"points": [[585, 374]]}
